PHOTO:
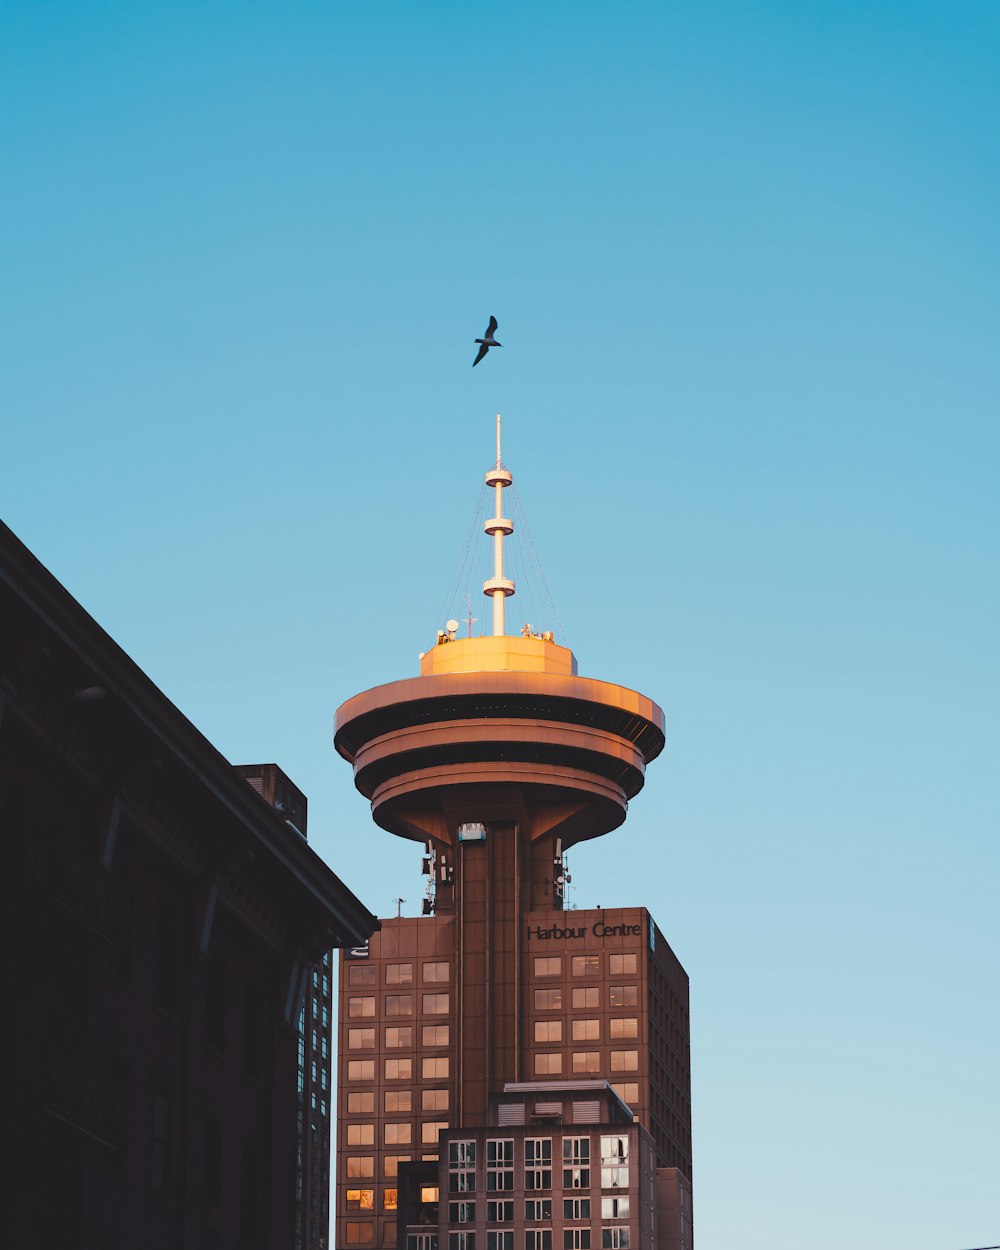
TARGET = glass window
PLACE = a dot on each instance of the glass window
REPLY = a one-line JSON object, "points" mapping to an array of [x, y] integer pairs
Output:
{"points": [[360, 1199], [434, 1069], [624, 1027], [587, 1061], [549, 1000], [398, 1036], [548, 1030], [360, 1232], [537, 1163], [614, 1208], [624, 965], [576, 1208], [437, 973], [361, 1069], [538, 1209], [462, 1169], [430, 1130], [390, 1164], [461, 1213], [586, 997], [628, 1092], [399, 1069], [360, 1039], [390, 1199], [397, 1100], [397, 1133], [614, 1239], [363, 1007], [586, 1030], [614, 1162], [576, 1239], [399, 974], [435, 1004], [434, 1100], [623, 995], [462, 1241], [500, 1212], [434, 1035], [361, 974], [361, 1134], [576, 1163], [360, 1167], [499, 1164], [548, 1063], [361, 1103], [538, 1239], [399, 1004], [500, 1240], [548, 966], [586, 965], [624, 1061]]}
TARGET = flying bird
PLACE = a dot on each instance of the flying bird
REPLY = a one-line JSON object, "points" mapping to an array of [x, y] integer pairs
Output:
{"points": [[487, 342]]}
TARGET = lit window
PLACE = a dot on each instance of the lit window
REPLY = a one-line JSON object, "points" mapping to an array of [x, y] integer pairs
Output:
{"points": [[390, 1199], [398, 1133], [548, 1063], [548, 1030], [361, 974], [360, 1039], [586, 1030], [398, 1036], [398, 974], [614, 1163], [548, 1000], [360, 1167], [586, 965], [576, 1208], [434, 1100], [624, 1061], [548, 966], [430, 1129], [363, 1007], [623, 995], [614, 1208], [399, 1004], [437, 973], [361, 1104], [587, 1061], [397, 1100], [428, 1193], [586, 997], [361, 1069], [434, 1035], [399, 1069], [624, 1027], [361, 1134], [434, 1069], [361, 1199], [624, 965], [435, 1004]]}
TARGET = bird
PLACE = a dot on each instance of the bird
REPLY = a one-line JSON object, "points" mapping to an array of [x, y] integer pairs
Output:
{"points": [[487, 342]]}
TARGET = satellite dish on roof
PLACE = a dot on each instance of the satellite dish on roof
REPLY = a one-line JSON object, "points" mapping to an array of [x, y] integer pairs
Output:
{"points": [[451, 626]]}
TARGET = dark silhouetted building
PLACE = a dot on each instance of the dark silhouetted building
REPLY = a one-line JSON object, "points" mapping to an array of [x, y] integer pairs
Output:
{"points": [[164, 929]]}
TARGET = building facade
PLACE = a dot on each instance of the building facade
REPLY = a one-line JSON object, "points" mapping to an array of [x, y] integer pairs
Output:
{"points": [[496, 760], [162, 928]]}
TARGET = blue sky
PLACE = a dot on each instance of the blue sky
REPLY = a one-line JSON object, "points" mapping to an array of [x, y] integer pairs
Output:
{"points": [[745, 263]]}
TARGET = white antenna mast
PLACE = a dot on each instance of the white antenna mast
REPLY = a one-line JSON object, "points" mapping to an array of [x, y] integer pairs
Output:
{"points": [[498, 587]]}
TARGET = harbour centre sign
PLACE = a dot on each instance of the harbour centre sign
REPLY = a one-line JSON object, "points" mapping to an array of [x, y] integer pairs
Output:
{"points": [[556, 933]]}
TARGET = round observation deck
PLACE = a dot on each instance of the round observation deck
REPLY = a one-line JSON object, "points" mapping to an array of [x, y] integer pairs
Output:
{"points": [[494, 727]]}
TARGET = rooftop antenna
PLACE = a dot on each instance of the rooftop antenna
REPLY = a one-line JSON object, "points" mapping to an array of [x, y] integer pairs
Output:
{"points": [[470, 618], [498, 587], [399, 907]]}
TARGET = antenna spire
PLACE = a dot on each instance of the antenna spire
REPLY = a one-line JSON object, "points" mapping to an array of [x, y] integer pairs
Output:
{"points": [[498, 587]]}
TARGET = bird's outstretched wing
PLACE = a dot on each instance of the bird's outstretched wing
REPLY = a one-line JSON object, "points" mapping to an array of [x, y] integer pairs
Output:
{"points": [[491, 328], [482, 352]]}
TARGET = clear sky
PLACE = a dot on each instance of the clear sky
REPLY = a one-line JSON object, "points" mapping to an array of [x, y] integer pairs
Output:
{"points": [[744, 257]]}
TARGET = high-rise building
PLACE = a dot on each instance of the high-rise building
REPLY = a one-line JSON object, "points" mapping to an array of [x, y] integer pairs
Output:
{"points": [[501, 1009]]}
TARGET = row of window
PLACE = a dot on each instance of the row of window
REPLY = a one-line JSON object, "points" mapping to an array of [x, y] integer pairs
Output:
{"points": [[501, 1211], [585, 997], [397, 1036], [586, 1062], [537, 1160], [619, 1027], [396, 1101], [362, 1006], [432, 1068], [534, 1239], [394, 1133], [619, 965], [434, 972]]}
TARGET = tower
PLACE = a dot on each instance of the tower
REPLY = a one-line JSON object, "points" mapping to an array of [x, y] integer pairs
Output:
{"points": [[497, 759]]}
